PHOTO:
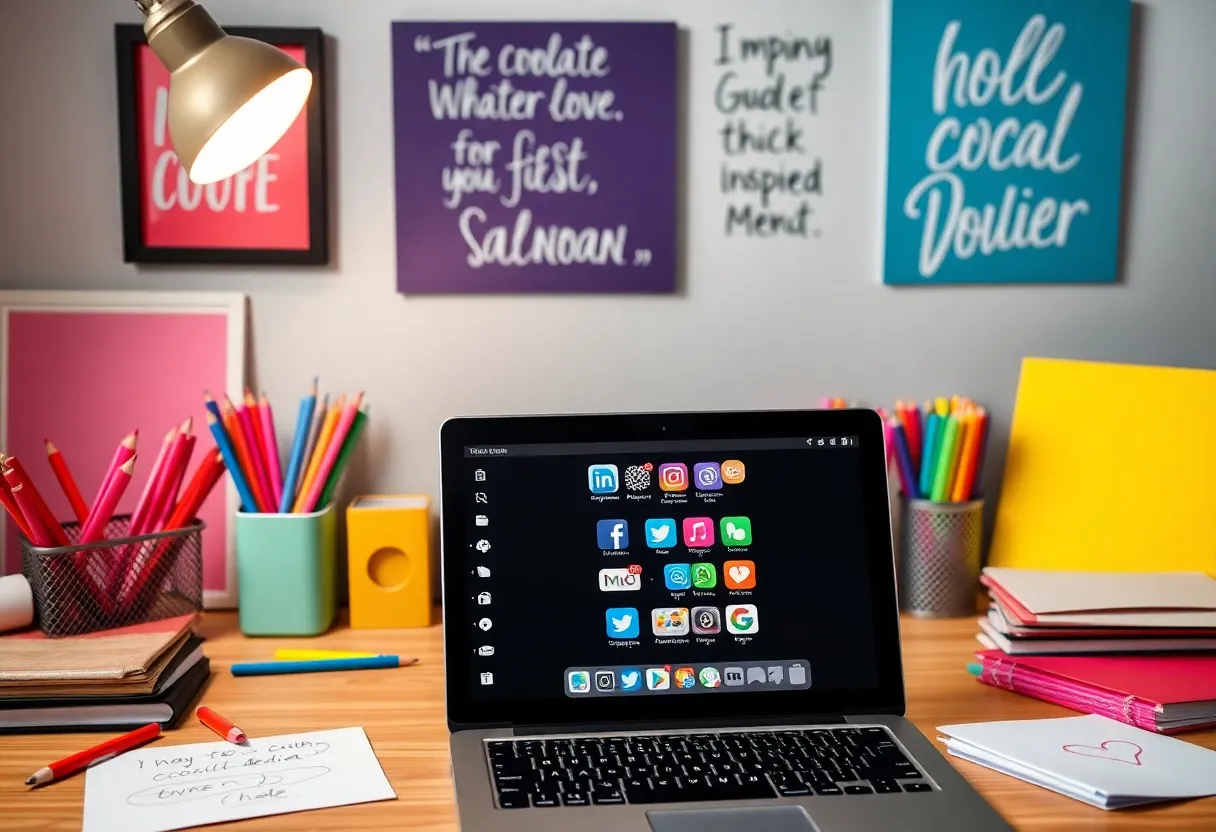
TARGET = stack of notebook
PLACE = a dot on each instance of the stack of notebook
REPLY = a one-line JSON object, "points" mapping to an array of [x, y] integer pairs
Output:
{"points": [[109, 681]]}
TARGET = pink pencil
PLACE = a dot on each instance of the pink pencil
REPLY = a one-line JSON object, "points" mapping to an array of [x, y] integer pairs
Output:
{"points": [[168, 472], [331, 453], [273, 462], [140, 520], [125, 450], [174, 479], [245, 419], [95, 529]]}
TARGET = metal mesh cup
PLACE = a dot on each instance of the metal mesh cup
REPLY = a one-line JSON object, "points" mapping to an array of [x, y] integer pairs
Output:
{"points": [[117, 581], [939, 557]]}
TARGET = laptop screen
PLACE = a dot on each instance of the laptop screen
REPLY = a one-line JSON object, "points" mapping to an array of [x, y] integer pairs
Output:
{"points": [[620, 573]]}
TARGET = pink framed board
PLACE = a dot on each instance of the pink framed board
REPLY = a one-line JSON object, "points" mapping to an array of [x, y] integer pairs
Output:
{"points": [[85, 368]]}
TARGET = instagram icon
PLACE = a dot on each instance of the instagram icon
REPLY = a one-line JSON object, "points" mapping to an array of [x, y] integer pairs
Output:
{"points": [[673, 476]]}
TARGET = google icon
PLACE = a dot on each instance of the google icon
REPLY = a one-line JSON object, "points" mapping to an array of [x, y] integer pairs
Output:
{"points": [[742, 619]]}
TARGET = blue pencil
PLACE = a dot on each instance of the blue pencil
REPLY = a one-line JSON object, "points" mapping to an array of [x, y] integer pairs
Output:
{"points": [[295, 466], [233, 464], [212, 407], [317, 665], [928, 452]]}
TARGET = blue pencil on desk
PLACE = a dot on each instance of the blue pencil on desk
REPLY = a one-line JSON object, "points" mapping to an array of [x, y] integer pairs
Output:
{"points": [[318, 665]]}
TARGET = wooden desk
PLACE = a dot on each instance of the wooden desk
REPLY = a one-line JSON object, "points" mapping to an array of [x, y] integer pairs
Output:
{"points": [[402, 711]]}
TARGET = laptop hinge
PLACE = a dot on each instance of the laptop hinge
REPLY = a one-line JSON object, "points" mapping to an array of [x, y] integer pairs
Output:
{"points": [[677, 725]]}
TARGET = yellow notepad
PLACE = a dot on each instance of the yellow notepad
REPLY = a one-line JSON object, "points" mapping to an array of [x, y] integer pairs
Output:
{"points": [[1110, 467]]}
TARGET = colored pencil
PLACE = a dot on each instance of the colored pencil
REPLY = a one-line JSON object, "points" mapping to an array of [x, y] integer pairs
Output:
{"points": [[231, 460], [825, 403], [37, 513], [295, 463], [903, 460], [273, 463], [839, 404], [928, 463], [208, 472], [314, 433], [965, 422], [310, 655], [942, 406], [66, 481], [257, 471], [318, 665], [318, 452], [966, 463], [977, 475], [887, 440], [243, 459], [220, 725], [125, 450], [139, 518], [945, 457], [99, 518], [348, 447], [35, 530], [211, 406], [332, 451], [82, 760], [171, 477], [10, 505]]}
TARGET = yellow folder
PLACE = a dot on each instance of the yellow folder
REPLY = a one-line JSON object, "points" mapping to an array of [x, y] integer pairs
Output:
{"points": [[1110, 467]]}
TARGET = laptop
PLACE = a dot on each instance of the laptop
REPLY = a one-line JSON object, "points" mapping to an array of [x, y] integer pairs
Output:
{"points": [[680, 622]]}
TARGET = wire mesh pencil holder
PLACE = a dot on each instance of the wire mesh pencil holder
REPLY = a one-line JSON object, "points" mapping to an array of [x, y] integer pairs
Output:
{"points": [[938, 567], [116, 582]]}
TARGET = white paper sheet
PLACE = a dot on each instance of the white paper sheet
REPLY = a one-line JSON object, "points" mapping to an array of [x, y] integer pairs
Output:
{"points": [[163, 786], [1091, 758]]}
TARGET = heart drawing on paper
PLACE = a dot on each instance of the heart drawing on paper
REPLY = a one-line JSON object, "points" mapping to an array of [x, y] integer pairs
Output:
{"points": [[1120, 751], [739, 574]]}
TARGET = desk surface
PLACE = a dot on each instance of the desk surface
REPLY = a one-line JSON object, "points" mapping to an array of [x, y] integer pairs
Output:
{"points": [[402, 711]]}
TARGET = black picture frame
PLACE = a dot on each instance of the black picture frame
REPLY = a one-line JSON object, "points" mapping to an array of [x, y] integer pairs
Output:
{"points": [[127, 39]]}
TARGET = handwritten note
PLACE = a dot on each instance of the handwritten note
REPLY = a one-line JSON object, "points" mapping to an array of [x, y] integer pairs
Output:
{"points": [[535, 156], [165, 787]]}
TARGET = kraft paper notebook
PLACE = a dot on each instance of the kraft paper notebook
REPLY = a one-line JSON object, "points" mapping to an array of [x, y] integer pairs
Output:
{"points": [[1110, 467]]}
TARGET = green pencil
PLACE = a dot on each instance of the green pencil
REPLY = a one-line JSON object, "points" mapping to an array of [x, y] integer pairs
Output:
{"points": [[941, 478], [348, 447]]}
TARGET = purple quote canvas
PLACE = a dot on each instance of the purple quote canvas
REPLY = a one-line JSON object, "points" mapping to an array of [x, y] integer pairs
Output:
{"points": [[535, 157]]}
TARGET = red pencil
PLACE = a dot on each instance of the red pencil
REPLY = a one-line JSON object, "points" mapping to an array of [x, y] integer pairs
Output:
{"points": [[175, 472], [125, 450], [220, 725], [139, 520], [66, 481], [10, 504], [82, 760], [37, 513], [257, 459], [208, 473]]}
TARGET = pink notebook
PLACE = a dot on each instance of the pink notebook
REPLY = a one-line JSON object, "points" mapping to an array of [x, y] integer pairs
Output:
{"points": [[1157, 693]]}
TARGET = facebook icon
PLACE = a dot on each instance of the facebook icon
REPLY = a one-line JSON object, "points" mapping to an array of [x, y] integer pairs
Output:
{"points": [[602, 479], [612, 534]]}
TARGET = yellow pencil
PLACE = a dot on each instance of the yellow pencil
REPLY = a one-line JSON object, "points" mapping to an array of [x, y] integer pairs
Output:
{"points": [[318, 453], [942, 406], [311, 655]]}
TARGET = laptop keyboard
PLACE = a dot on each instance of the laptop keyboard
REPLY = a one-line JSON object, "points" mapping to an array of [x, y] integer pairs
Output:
{"points": [[676, 768]]}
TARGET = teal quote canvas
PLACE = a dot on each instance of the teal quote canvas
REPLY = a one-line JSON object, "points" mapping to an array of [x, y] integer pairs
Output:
{"points": [[1005, 141]]}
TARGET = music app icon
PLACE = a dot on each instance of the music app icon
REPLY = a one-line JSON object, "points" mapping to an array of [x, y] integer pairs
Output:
{"points": [[698, 532]]}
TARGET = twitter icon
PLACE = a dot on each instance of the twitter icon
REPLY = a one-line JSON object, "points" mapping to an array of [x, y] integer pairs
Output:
{"points": [[661, 534], [631, 679], [622, 622]]}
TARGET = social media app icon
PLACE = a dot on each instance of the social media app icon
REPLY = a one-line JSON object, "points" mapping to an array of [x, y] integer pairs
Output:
{"points": [[736, 531], [698, 532], [739, 574], [704, 575], [579, 681], [661, 533], [673, 476], [621, 622], [733, 472], [605, 680], [612, 534], [710, 677], [742, 619], [628, 579], [706, 621], [677, 576], [669, 621], [685, 678], [637, 477], [603, 479], [707, 476], [631, 679], [658, 678], [733, 676]]}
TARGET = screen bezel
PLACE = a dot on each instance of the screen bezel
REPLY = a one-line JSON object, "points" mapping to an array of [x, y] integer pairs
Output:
{"points": [[457, 433]]}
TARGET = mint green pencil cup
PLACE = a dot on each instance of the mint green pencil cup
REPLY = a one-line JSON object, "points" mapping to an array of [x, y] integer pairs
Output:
{"points": [[286, 573]]}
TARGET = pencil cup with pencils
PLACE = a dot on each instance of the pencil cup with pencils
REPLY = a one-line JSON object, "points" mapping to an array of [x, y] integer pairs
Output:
{"points": [[939, 557], [116, 582]]}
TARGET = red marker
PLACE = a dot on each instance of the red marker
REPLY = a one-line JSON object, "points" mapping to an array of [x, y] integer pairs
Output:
{"points": [[220, 725], [96, 754]]}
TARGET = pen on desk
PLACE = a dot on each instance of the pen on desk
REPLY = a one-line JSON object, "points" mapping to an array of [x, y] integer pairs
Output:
{"points": [[318, 665], [91, 756], [220, 725]]}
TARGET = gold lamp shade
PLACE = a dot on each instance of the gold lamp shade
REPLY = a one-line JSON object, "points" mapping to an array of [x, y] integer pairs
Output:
{"points": [[230, 99]]}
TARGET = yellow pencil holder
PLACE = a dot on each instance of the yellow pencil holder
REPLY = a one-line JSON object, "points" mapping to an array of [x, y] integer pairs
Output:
{"points": [[388, 552], [939, 557]]}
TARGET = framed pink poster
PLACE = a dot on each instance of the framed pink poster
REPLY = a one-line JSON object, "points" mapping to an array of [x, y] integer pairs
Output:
{"points": [[83, 369], [274, 211]]}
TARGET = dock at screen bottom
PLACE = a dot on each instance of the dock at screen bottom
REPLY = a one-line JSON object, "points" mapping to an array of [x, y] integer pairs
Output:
{"points": [[679, 679]]}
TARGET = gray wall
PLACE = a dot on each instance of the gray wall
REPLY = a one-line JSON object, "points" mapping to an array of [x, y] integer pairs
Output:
{"points": [[808, 320]]}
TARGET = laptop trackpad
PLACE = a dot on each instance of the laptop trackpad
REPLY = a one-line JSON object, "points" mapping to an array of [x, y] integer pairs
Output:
{"points": [[767, 818]]}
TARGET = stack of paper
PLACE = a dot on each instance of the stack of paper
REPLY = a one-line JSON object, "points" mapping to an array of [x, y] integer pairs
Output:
{"points": [[1090, 758], [1039, 612]]}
